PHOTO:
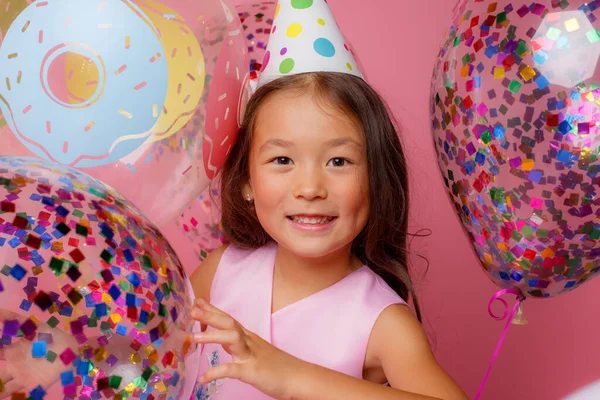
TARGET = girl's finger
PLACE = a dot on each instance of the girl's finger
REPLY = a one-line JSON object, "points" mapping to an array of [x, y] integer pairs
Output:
{"points": [[203, 304], [230, 370], [5, 314], [216, 320], [234, 340]]}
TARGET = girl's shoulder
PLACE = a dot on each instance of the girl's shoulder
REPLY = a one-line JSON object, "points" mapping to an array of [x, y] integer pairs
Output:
{"points": [[202, 278], [234, 258]]}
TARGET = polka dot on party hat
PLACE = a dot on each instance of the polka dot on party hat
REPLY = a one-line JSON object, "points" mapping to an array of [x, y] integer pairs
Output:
{"points": [[93, 300], [305, 38]]}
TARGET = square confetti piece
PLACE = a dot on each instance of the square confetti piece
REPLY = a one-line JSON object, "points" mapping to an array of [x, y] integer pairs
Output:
{"points": [[51, 356], [53, 322], [527, 73], [535, 176], [37, 394], [43, 301], [45, 337], [515, 86], [62, 228], [11, 327], [114, 382], [498, 73], [101, 310], [527, 164], [73, 273], [67, 356], [593, 36], [112, 360], [83, 367], [67, 377], [39, 349], [18, 272]]}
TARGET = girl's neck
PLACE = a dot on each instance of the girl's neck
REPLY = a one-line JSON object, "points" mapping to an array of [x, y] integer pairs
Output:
{"points": [[309, 275]]}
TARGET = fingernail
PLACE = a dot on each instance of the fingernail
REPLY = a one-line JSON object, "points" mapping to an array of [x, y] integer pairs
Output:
{"points": [[198, 336]]}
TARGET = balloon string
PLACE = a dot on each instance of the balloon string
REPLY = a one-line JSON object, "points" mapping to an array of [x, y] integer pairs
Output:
{"points": [[495, 297]]}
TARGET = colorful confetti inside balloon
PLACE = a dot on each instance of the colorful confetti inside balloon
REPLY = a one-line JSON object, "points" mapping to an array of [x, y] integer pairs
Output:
{"points": [[132, 92], [201, 223], [257, 20], [515, 117], [93, 300]]}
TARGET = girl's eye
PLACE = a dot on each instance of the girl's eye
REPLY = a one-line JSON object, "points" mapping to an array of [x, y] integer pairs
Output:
{"points": [[338, 162], [282, 161]]}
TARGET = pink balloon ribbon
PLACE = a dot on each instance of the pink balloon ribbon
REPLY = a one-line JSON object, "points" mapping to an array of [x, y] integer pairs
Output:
{"points": [[497, 296]]}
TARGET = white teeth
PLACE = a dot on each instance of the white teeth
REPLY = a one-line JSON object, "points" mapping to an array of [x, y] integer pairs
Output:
{"points": [[314, 221]]}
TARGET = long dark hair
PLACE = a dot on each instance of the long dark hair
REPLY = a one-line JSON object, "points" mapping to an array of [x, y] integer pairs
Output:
{"points": [[382, 244]]}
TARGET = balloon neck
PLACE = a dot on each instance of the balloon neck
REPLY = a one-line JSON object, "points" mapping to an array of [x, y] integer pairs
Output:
{"points": [[519, 318]]}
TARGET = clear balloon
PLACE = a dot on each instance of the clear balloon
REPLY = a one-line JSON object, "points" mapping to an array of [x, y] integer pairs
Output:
{"points": [[93, 300], [201, 222], [514, 114], [141, 94]]}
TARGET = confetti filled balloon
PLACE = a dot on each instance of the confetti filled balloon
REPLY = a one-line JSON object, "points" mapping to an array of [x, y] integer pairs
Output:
{"points": [[515, 117], [94, 302], [257, 20], [141, 94]]}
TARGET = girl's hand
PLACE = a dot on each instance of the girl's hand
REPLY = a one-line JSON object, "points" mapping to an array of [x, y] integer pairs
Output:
{"points": [[255, 361], [23, 372]]}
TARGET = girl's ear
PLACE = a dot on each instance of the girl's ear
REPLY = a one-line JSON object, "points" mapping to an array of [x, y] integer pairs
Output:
{"points": [[247, 192]]}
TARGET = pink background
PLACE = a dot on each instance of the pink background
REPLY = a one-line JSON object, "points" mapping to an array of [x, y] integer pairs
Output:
{"points": [[558, 351]]}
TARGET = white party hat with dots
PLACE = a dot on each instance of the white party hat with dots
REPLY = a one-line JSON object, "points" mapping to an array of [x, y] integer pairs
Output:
{"points": [[305, 38]]}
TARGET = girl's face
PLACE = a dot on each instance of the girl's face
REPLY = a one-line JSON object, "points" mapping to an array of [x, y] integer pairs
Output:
{"points": [[308, 175]]}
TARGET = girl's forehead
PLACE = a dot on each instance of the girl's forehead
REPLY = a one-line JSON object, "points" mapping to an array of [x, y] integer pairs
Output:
{"points": [[302, 118]]}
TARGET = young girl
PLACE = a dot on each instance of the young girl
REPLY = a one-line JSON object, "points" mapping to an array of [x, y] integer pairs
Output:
{"points": [[309, 300]]}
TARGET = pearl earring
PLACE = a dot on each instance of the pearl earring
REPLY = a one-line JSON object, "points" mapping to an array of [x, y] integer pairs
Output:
{"points": [[248, 197]]}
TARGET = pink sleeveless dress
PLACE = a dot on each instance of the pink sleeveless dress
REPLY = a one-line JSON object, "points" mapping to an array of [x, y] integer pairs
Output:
{"points": [[330, 328]]}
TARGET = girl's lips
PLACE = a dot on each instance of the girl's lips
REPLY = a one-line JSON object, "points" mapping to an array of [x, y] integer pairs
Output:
{"points": [[311, 216]]}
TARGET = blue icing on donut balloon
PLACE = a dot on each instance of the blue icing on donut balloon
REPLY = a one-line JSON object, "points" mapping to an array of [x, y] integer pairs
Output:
{"points": [[83, 81]]}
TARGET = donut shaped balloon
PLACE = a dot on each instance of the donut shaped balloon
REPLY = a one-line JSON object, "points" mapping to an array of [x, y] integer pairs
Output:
{"points": [[123, 74], [140, 94], [515, 115], [94, 302]]}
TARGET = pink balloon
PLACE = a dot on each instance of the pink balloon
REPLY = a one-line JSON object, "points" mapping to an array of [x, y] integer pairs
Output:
{"points": [[514, 113], [163, 156], [83, 268]]}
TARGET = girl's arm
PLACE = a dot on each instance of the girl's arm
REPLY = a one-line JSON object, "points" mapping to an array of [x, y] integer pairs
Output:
{"points": [[202, 277], [402, 348], [397, 341]]}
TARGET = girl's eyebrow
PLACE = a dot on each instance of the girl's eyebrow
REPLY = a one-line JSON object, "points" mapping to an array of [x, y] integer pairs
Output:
{"points": [[276, 142], [337, 142], [343, 141]]}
